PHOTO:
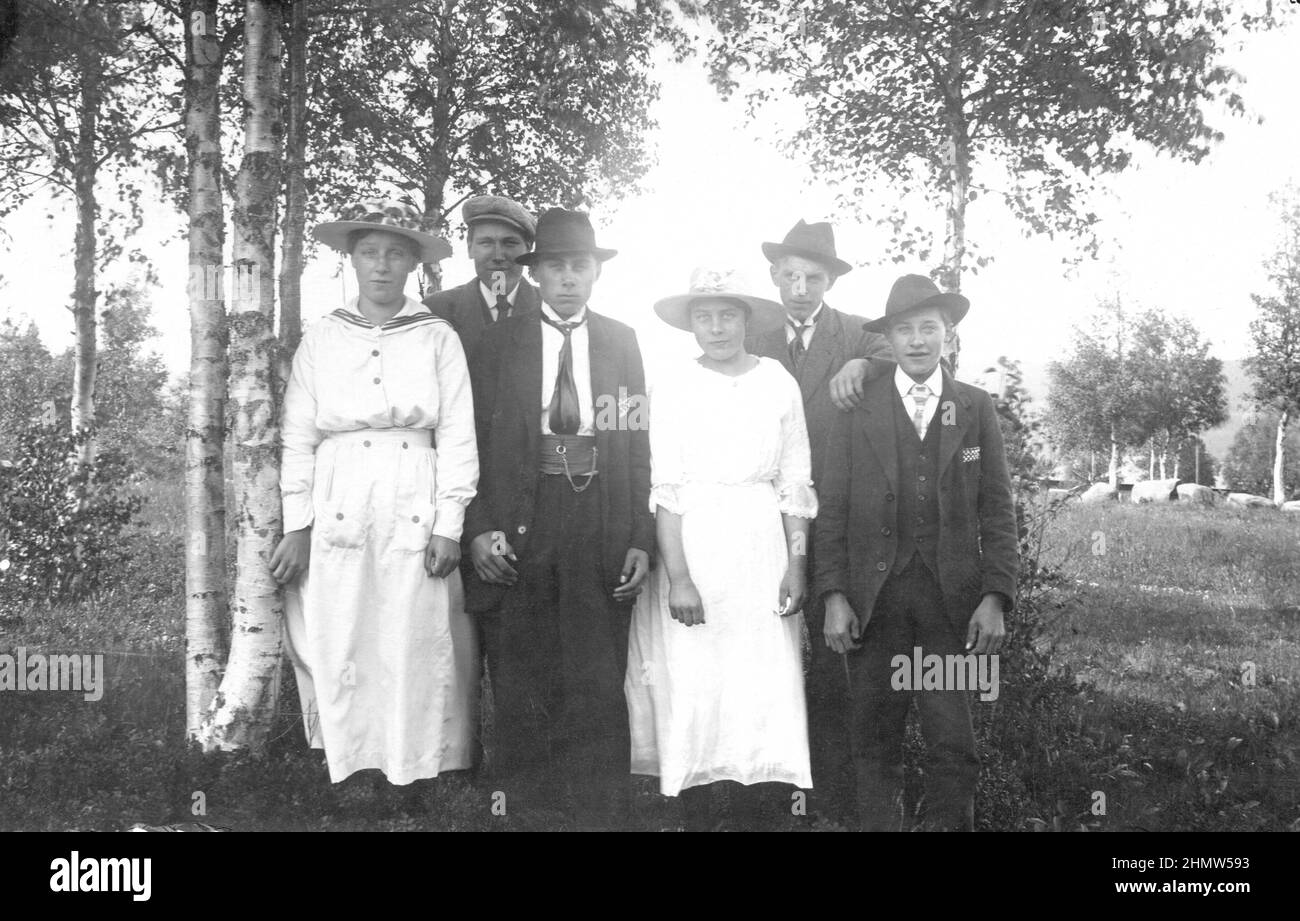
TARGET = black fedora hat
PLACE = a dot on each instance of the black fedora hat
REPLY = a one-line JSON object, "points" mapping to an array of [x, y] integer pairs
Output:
{"points": [[812, 241], [912, 292], [563, 231]]}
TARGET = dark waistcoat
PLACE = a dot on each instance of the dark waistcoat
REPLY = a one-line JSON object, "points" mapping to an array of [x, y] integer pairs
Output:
{"points": [[918, 489]]}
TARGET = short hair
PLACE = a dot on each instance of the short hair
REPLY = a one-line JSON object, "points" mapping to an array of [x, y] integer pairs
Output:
{"points": [[354, 237]]}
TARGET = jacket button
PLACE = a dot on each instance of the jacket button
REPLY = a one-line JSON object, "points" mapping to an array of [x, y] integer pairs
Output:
{"points": [[375, 352], [415, 518], [376, 380], [366, 443], [339, 516], [885, 531], [922, 458], [881, 566], [920, 498], [403, 444], [889, 497], [522, 529], [921, 478]]}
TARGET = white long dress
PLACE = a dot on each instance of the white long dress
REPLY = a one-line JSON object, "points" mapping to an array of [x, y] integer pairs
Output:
{"points": [[723, 700], [379, 455]]}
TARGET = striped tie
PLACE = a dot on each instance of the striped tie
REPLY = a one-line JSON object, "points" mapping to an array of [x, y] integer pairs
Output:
{"points": [[796, 344], [920, 396]]}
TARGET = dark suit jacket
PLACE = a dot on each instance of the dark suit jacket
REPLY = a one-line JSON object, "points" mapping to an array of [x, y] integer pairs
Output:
{"points": [[464, 308], [506, 372], [856, 537], [837, 338]]}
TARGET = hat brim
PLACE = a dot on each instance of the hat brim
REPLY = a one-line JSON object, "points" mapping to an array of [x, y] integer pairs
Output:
{"points": [[335, 235], [774, 251], [531, 258], [764, 315], [953, 305]]}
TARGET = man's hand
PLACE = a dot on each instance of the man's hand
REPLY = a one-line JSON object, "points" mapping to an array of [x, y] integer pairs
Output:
{"points": [[291, 555], [793, 591], [847, 384], [843, 629], [441, 557], [685, 604], [636, 565], [489, 553], [986, 630]]}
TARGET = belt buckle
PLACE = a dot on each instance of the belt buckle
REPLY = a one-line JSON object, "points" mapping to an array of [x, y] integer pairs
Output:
{"points": [[561, 449]]}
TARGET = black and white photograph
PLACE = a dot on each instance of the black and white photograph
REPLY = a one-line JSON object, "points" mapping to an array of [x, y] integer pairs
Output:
{"points": [[651, 416]]}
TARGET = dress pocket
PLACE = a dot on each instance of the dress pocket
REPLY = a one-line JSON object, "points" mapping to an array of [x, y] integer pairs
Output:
{"points": [[341, 527], [413, 527]]}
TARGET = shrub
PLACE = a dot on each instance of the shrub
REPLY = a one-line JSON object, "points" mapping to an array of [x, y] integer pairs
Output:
{"points": [[59, 522]]}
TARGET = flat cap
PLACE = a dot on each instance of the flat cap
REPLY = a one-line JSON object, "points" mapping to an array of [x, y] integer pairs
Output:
{"points": [[497, 208]]}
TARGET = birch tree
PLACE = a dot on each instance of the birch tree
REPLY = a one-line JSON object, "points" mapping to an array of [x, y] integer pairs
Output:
{"points": [[83, 96], [1274, 365], [240, 713], [206, 619]]}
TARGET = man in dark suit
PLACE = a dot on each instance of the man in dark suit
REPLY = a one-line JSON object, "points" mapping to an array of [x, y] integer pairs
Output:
{"points": [[916, 554], [561, 529], [498, 231], [831, 356]]}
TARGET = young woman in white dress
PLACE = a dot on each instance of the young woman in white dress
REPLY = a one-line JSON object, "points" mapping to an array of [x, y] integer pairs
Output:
{"points": [[379, 462], [715, 675]]}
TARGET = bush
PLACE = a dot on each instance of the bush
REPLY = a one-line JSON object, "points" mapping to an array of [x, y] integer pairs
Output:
{"points": [[60, 523]]}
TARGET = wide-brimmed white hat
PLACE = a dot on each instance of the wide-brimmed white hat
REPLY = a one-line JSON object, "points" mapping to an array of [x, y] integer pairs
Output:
{"points": [[708, 282], [397, 217]]}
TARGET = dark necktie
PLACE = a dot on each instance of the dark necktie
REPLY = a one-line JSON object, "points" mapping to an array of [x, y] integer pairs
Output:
{"points": [[564, 416], [796, 344], [503, 307]]}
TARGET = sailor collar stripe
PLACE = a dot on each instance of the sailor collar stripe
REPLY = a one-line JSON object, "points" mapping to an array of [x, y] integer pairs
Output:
{"points": [[414, 319]]}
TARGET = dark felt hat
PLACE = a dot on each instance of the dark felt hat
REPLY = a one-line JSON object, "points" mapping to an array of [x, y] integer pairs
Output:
{"points": [[912, 292], [563, 231], [812, 241]]}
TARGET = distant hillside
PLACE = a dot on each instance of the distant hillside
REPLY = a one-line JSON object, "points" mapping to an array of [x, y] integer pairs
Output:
{"points": [[1217, 441]]}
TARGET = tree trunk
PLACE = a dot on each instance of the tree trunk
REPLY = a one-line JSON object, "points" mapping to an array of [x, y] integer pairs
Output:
{"points": [[83, 289], [205, 502], [295, 190], [1279, 460], [1151, 464], [1114, 457], [957, 164], [434, 189], [245, 704]]}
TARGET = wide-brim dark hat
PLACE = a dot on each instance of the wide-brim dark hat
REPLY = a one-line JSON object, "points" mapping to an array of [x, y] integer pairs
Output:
{"points": [[563, 232], [812, 241], [912, 292], [709, 283], [392, 216]]}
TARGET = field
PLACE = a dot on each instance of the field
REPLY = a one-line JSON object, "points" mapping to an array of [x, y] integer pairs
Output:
{"points": [[1169, 699]]}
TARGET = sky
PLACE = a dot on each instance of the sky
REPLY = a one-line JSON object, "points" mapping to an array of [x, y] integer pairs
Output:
{"points": [[1188, 238]]}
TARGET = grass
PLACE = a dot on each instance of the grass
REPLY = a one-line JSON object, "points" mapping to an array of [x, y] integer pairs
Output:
{"points": [[1143, 701]]}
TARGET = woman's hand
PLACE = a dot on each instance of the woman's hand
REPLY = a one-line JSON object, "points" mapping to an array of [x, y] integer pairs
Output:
{"points": [[684, 603], [793, 591], [636, 565], [441, 557], [291, 555]]}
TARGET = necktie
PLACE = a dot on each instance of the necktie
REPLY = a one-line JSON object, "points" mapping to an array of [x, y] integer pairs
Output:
{"points": [[920, 396], [503, 307], [796, 344], [564, 416]]}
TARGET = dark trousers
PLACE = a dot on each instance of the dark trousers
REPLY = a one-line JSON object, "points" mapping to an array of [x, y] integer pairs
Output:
{"points": [[557, 651], [830, 706], [909, 612]]}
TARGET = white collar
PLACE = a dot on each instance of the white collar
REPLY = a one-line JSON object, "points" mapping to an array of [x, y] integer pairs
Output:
{"points": [[903, 381], [409, 306], [576, 318], [491, 299], [812, 317]]}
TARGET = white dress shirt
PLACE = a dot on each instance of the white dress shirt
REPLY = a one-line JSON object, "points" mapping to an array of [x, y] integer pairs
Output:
{"points": [[552, 342], [491, 299], [903, 381], [807, 333], [349, 375]]}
